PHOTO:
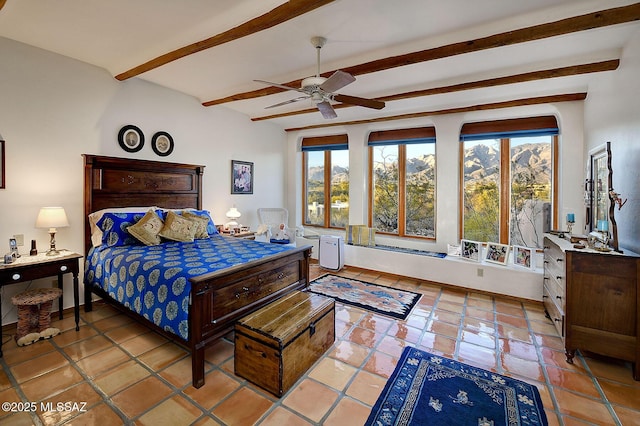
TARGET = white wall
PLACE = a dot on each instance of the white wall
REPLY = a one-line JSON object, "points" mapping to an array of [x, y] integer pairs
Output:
{"points": [[54, 109], [612, 113]]}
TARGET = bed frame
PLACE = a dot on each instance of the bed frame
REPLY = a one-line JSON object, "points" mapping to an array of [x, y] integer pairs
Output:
{"points": [[218, 299]]}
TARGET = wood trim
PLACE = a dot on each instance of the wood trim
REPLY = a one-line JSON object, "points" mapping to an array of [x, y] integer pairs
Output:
{"points": [[505, 191], [402, 190], [555, 181], [609, 65], [589, 21], [567, 97], [2, 3], [460, 190], [288, 10], [305, 202], [327, 189], [370, 188]]}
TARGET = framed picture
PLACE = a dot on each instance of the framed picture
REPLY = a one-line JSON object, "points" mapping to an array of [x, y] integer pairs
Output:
{"points": [[497, 253], [241, 177], [470, 250], [131, 138], [523, 256], [162, 143], [2, 183]]}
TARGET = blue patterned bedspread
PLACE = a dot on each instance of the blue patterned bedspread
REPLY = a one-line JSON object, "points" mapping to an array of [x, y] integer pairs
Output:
{"points": [[154, 280]]}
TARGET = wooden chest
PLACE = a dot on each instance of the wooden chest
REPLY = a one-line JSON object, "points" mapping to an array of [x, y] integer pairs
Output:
{"points": [[275, 345]]}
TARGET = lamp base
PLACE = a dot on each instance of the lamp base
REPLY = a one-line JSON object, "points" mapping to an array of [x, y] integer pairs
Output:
{"points": [[52, 246]]}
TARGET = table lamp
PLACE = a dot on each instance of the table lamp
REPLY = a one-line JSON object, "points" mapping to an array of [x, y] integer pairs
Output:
{"points": [[52, 218], [233, 214]]}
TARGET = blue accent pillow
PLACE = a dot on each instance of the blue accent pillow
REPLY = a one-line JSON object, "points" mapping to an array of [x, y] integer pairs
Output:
{"points": [[114, 228]]}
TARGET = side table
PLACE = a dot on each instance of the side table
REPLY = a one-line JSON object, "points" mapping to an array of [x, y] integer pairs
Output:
{"points": [[27, 268]]}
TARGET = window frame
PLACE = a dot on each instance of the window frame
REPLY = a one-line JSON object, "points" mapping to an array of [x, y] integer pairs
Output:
{"points": [[325, 144], [400, 138], [509, 127]]}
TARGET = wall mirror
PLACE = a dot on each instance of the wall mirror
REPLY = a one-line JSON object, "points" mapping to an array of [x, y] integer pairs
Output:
{"points": [[599, 182], [601, 209]]}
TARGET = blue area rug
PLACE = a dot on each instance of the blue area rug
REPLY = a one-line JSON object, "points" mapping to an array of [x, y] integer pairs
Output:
{"points": [[427, 389], [384, 300]]}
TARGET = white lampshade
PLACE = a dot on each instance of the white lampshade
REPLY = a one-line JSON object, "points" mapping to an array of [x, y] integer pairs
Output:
{"points": [[52, 217], [233, 213]]}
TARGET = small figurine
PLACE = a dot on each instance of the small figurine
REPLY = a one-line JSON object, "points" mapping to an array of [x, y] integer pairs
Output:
{"points": [[615, 198]]}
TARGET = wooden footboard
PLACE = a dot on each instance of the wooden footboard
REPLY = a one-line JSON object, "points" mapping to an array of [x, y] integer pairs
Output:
{"points": [[219, 299]]}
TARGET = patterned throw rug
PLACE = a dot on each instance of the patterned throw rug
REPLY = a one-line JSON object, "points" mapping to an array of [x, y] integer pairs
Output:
{"points": [[426, 389], [380, 299]]}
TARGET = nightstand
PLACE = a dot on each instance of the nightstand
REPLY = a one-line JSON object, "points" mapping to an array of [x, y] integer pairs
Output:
{"points": [[27, 268]]}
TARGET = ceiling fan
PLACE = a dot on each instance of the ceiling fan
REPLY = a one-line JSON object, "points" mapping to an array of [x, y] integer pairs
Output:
{"points": [[321, 90]]}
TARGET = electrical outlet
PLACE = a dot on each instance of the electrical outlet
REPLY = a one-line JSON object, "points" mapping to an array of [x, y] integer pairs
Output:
{"points": [[480, 272], [19, 239]]}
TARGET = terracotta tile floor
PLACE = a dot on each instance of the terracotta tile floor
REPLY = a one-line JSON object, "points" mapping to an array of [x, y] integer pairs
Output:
{"points": [[124, 373]]}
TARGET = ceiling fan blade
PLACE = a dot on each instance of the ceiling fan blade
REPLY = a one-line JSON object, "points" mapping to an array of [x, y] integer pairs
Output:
{"points": [[301, 98], [326, 110], [282, 86], [337, 81], [354, 100]]}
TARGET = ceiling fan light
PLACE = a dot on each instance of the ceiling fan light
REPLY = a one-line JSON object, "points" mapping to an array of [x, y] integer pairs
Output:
{"points": [[312, 81]]}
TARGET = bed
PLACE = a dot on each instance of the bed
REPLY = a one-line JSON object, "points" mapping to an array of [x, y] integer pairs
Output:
{"points": [[212, 299]]}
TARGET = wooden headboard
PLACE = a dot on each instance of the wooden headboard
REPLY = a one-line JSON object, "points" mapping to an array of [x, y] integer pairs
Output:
{"points": [[123, 182]]}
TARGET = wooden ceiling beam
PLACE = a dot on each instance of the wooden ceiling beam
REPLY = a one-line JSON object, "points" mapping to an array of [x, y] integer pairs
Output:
{"points": [[609, 65], [286, 11], [603, 18], [568, 97]]}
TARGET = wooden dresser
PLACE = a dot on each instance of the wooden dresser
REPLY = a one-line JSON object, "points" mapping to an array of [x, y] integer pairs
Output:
{"points": [[593, 300]]}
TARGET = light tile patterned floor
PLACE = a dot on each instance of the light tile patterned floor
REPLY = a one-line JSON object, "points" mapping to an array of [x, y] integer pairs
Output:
{"points": [[127, 374]]}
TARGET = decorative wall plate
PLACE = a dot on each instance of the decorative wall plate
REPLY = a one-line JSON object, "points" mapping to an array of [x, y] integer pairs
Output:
{"points": [[131, 138], [162, 143]]}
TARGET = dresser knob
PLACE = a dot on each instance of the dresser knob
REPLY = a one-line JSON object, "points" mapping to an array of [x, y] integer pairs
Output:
{"points": [[556, 320], [63, 268], [558, 297], [15, 277], [559, 259]]}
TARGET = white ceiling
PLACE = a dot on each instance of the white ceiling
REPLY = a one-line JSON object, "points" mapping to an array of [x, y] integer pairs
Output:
{"points": [[118, 35]]}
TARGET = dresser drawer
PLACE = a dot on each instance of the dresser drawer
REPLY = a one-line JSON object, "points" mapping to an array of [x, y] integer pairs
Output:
{"points": [[29, 272], [235, 296], [556, 292], [554, 313]]}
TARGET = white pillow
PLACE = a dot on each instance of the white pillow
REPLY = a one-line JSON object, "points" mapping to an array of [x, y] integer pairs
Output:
{"points": [[94, 218]]}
